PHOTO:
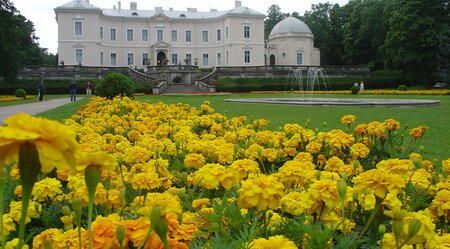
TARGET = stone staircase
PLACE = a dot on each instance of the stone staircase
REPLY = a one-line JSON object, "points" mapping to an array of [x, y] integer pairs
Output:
{"points": [[183, 89]]}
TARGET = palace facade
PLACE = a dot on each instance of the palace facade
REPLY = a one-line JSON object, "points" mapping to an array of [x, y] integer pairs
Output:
{"points": [[135, 37]]}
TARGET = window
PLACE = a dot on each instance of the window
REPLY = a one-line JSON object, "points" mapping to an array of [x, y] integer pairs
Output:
{"points": [[144, 35], [174, 36], [78, 28], [219, 59], [112, 34], [159, 35], [205, 36], [219, 35], [226, 33], [78, 56], [101, 32], [246, 56], [299, 58], [130, 59], [113, 59], [205, 60], [129, 35], [174, 59], [188, 59], [101, 58], [144, 58], [247, 32], [226, 54], [188, 36]]}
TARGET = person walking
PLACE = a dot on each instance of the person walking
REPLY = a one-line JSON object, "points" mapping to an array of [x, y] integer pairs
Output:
{"points": [[73, 91], [361, 86], [88, 89], [41, 91]]}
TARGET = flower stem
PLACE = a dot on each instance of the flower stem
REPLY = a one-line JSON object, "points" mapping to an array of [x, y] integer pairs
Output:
{"points": [[92, 175], [29, 168], [372, 217]]}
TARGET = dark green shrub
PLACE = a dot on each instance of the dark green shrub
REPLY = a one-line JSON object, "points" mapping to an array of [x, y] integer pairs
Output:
{"points": [[115, 84], [402, 88], [355, 89], [21, 93]]}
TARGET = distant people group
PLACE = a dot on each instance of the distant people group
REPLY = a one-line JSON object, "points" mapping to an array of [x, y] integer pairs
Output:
{"points": [[360, 86], [72, 89]]}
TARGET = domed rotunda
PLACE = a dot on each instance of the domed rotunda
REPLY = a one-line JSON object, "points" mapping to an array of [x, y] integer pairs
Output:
{"points": [[291, 42]]}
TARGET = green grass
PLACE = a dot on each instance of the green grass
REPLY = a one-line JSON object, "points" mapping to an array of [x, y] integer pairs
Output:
{"points": [[436, 142]]}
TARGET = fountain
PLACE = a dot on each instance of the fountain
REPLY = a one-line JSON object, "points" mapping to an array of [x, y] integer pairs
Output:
{"points": [[316, 80]]}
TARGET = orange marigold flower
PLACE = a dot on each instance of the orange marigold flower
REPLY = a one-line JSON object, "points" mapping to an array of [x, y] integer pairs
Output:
{"points": [[348, 119], [391, 124], [418, 132]]}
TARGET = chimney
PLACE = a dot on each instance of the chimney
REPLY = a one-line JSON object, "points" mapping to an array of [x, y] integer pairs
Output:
{"points": [[237, 4], [133, 6], [213, 10], [87, 1], [114, 7], [192, 9], [119, 5], [170, 9]]}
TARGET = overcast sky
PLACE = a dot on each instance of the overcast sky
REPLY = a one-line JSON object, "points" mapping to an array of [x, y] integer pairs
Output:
{"points": [[42, 14]]}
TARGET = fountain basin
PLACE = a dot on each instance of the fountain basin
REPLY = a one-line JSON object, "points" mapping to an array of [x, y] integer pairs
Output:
{"points": [[340, 102]]}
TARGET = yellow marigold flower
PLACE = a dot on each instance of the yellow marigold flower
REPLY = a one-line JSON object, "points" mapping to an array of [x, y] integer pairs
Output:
{"points": [[361, 129], [367, 200], [391, 124], [278, 241], [263, 192], [324, 190], [338, 139], [14, 172], [167, 202], [201, 203], [135, 230], [270, 154], [446, 166], [415, 156], [8, 224], [15, 213], [334, 164], [13, 244], [55, 142], [427, 228], [313, 147], [297, 173], [348, 119], [304, 157], [69, 239], [439, 242], [113, 198], [378, 181], [99, 198], [392, 202], [389, 242], [194, 160], [440, 206], [246, 167], [254, 152], [427, 165], [146, 180], [47, 235], [418, 132], [396, 166], [359, 150], [421, 178], [46, 188], [211, 176], [375, 129], [63, 174], [98, 159], [136, 154], [297, 203]]}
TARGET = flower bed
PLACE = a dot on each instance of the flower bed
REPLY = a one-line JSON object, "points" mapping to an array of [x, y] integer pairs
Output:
{"points": [[370, 92], [151, 175], [14, 98]]}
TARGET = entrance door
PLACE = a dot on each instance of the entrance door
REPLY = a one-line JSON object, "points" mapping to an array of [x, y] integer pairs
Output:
{"points": [[272, 60], [160, 58]]}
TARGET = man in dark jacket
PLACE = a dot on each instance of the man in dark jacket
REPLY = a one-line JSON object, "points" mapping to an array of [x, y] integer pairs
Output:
{"points": [[73, 91], [41, 91]]}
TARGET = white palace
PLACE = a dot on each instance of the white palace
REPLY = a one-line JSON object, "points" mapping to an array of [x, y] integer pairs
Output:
{"points": [[134, 37]]}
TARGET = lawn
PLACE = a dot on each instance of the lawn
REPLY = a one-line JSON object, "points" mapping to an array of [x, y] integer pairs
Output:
{"points": [[435, 143]]}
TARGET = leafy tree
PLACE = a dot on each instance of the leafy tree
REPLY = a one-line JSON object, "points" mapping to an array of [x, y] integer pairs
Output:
{"points": [[115, 84], [274, 16], [413, 41], [364, 33], [18, 42]]}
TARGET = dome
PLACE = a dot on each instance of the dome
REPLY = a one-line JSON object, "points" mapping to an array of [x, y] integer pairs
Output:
{"points": [[290, 25]]}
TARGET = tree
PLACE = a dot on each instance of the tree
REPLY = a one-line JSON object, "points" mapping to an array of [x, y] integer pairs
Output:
{"points": [[413, 41], [274, 16], [18, 42], [364, 33]]}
